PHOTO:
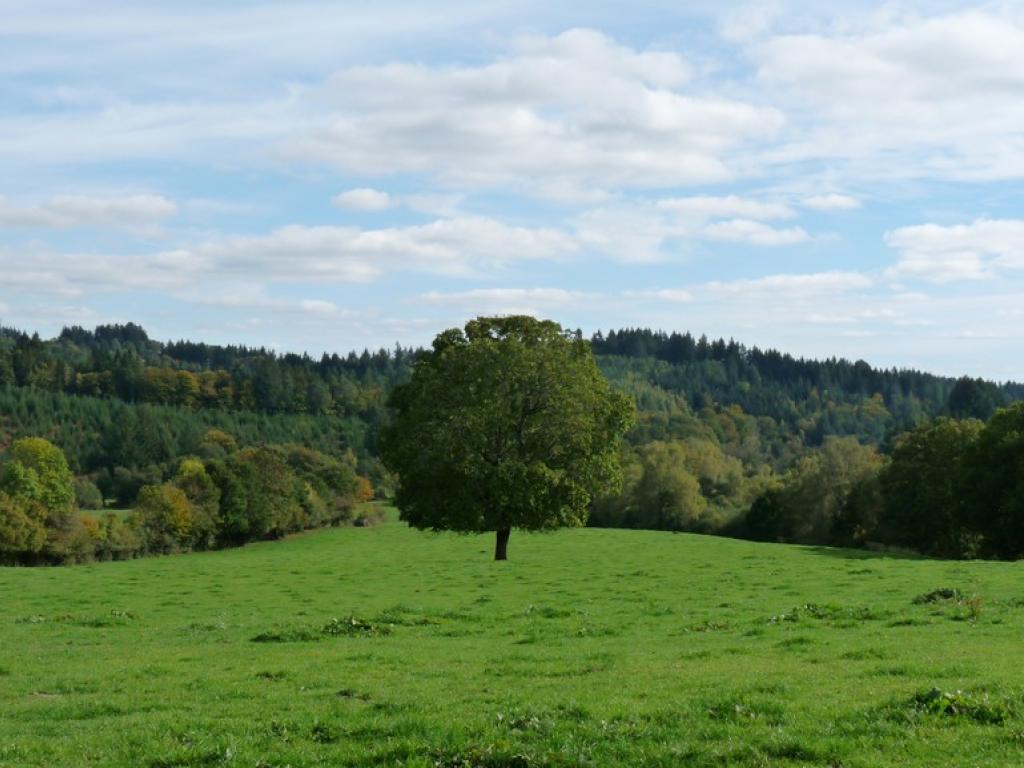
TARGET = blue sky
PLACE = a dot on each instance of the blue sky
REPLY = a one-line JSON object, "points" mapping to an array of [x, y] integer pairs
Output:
{"points": [[329, 176]]}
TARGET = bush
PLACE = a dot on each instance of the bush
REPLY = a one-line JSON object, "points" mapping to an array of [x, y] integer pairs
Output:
{"points": [[204, 497], [87, 494], [46, 463], [22, 529], [75, 541], [251, 493], [166, 517], [119, 539]]}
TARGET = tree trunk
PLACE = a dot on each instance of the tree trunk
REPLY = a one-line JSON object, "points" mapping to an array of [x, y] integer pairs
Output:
{"points": [[501, 544]]}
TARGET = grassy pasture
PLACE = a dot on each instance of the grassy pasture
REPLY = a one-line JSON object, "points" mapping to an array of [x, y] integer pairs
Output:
{"points": [[588, 647]]}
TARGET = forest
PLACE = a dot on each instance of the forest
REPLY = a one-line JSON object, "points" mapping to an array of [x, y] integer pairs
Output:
{"points": [[728, 440]]}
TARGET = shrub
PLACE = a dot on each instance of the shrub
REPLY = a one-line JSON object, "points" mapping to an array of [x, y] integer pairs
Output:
{"points": [[167, 518], [119, 539], [87, 494], [38, 470], [204, 498], [75, 541], [22, 529]]}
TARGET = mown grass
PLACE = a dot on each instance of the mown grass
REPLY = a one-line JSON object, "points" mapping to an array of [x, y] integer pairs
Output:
{"points": [[385, 646]]}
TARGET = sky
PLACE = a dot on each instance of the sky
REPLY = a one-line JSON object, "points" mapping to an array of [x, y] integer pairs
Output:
{"points": [[309, 176]]}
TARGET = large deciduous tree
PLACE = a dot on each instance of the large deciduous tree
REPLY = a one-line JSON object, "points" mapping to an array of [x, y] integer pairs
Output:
{"points": [[507, 424], [37, 503], [166, 518], [39, 471], [204, 497]]}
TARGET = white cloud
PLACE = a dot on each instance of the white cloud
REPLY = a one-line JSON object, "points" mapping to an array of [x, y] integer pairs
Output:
{"points": [[750, 21], [70, 211], [831, 202], [597, 53], [792, 286], [205, 206], [565, 116], [30, 273], [528, 301], [755, 233], [223, 132], [942, 254], [254, 298], [942, 267], [363, 199], [653, 231], [463, 247], [434, 204], [728, 206], [903, 95], [320, 307], [629, 233], [670, 295], [555, 296], [821, 318], [133, 40], [572, 116], [802, 110], [54, 315]]}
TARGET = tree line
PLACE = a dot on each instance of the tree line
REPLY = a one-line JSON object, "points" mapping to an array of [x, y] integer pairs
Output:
{"points": [[121, 361], [223, 496], [948, 488], [721, 429]]}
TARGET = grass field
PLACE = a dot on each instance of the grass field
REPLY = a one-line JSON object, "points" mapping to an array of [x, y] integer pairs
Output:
{"points": [[588, 647]]}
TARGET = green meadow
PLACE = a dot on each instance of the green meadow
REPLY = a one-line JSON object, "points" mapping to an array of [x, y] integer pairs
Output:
{"points": [[385, 646]]}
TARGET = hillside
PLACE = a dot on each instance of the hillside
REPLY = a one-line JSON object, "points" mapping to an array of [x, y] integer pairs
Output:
{"points": [[588, 648], [719, 426], [761, 406]]}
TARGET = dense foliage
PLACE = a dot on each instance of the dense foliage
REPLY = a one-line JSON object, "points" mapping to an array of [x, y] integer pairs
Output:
{"points": [[720, 429], [950, 488], [119, 447], [508, 424], [36, 502], [121, 361], [225, 496]]}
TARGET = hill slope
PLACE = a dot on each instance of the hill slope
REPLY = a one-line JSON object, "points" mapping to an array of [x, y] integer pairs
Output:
{"points": [[114, 398], [589, 647]]}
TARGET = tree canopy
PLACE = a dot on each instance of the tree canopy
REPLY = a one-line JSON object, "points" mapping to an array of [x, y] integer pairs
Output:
{"points": [[39, 471], [506, 424], [924, 488], [37, 497], [995, 484]]}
